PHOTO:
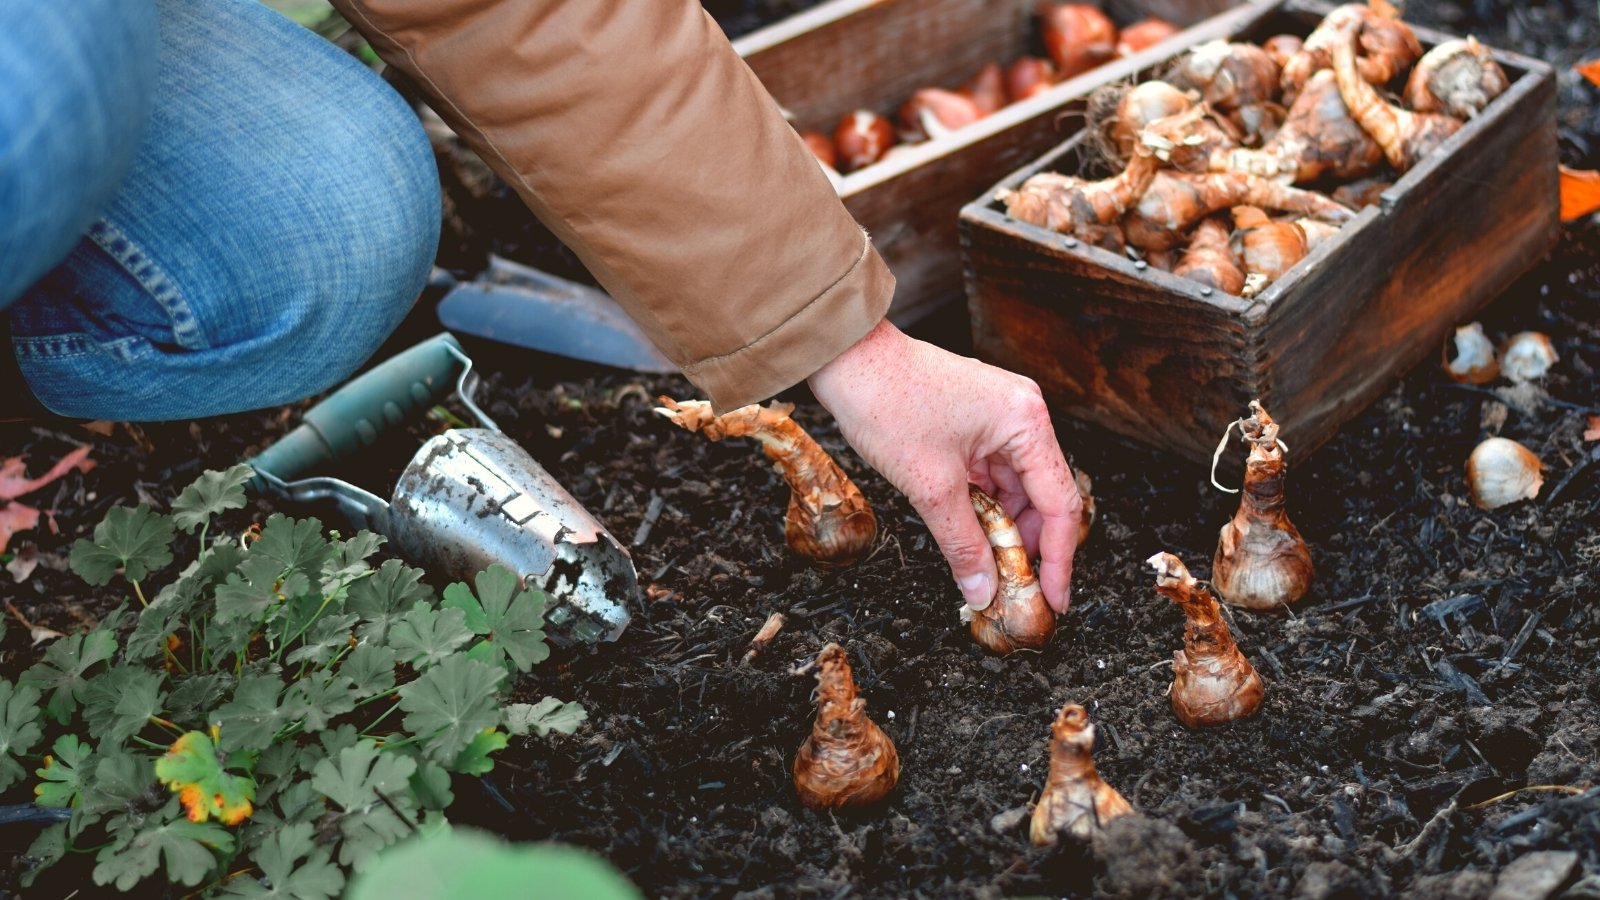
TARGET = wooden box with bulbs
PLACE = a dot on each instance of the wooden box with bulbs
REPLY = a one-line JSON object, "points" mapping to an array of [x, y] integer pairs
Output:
{"points": [[830, 62], [1153, 294]]}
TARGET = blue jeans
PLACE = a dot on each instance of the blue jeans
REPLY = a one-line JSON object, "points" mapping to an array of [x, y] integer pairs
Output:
{"points": [[204, 208]]}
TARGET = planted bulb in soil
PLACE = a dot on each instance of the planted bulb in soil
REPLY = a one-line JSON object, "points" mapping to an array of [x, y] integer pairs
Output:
{"points": [[847, 760], [1262, 562], [1075, 801], [829, 521], [1212, 682]]}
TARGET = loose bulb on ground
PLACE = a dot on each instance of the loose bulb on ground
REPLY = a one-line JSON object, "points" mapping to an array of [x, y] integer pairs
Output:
{"points": [[1501, 471]]}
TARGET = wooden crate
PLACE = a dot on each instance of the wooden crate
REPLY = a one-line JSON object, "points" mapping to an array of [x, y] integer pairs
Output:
{"points": [[1161, 359], [845, 55]]}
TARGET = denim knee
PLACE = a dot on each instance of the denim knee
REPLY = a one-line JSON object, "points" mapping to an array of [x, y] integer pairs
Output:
{"points": [[356, 243], [278, 222], [78, 78]]}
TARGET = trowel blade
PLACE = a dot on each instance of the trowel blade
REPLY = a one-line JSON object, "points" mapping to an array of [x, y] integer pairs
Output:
{"points": [[524, 307]]}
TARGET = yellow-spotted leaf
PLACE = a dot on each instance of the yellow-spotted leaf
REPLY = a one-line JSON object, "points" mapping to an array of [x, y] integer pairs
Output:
{"points": [[193, 769]]}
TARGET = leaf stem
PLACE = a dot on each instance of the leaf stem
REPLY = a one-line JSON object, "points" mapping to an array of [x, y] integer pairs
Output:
{"points": [[365, 732], [151, 744], [165, 724], [307, 626], [139, 592]]}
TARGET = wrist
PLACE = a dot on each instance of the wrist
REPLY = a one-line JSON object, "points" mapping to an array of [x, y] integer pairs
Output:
{"points": [[883, 342]]}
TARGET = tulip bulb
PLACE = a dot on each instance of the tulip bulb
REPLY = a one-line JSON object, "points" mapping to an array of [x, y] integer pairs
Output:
{"points": [[1362, 193], [847, 760], [1028, 77], [1282, 47], [861, 139], [1086, 209], [1404, 136], [1209, 259], [1229, 76], [1019, 616], [935, 112], [829, 521], [1117, 114], [1267, 248], [987, 89], [1527, 356], [1142, 34], [1212, 682], [821, 146], [1502, 471], [1262, 562], [1075, 801], [1386, 45], [1078, 36]]}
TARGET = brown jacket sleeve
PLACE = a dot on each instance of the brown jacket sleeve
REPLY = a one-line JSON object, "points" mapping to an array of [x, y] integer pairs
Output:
{"points": [[636, 133]]}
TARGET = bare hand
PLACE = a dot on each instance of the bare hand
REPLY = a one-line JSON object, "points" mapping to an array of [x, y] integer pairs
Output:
{"points": [[931, 421]]}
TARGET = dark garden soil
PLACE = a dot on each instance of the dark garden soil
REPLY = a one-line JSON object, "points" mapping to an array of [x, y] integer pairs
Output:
{"points": [[1432, 714]]}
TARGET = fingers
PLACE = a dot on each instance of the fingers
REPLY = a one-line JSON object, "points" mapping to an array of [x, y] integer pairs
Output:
{"points": [[1029, 524], [947, 511], [1035, 458]]}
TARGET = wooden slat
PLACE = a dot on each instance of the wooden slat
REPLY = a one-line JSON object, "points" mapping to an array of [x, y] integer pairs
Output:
{"points": [[875, 55]]}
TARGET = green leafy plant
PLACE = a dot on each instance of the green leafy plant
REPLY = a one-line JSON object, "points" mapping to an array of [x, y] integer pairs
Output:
{"points": [[463, 862], [276, 714]]}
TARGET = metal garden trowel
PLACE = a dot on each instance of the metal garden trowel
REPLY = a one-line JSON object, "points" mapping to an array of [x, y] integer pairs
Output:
{"points": [[471, 497], [525, 307]]}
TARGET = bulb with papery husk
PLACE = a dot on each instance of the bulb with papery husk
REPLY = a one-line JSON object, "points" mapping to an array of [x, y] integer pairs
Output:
{"points": [[1212, 681], [1086, 496], [829, 522], [1473, 361], [1262, 562], [1458, 77], [1075, 801], [1019, 616], [1527, 356], [1501, 471], [847, 760]]}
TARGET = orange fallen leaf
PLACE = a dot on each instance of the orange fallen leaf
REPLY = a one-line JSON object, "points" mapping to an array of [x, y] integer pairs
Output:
{"points": [[1593, 433], [1580, 193], [1590, 70]]}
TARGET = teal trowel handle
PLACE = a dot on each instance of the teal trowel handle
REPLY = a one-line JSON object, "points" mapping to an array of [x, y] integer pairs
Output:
{"points": [[354, 415]]}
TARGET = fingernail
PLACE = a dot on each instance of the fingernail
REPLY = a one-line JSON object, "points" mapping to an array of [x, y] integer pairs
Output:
{"points": [[978, 590]]}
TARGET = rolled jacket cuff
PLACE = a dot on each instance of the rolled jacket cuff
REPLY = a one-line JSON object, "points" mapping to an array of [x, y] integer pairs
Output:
{"points": [[804, 342]]}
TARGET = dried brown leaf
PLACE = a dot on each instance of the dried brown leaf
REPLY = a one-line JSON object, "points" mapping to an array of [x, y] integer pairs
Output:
{"points": [[15, 517], [25, 561], [14, 480]]}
